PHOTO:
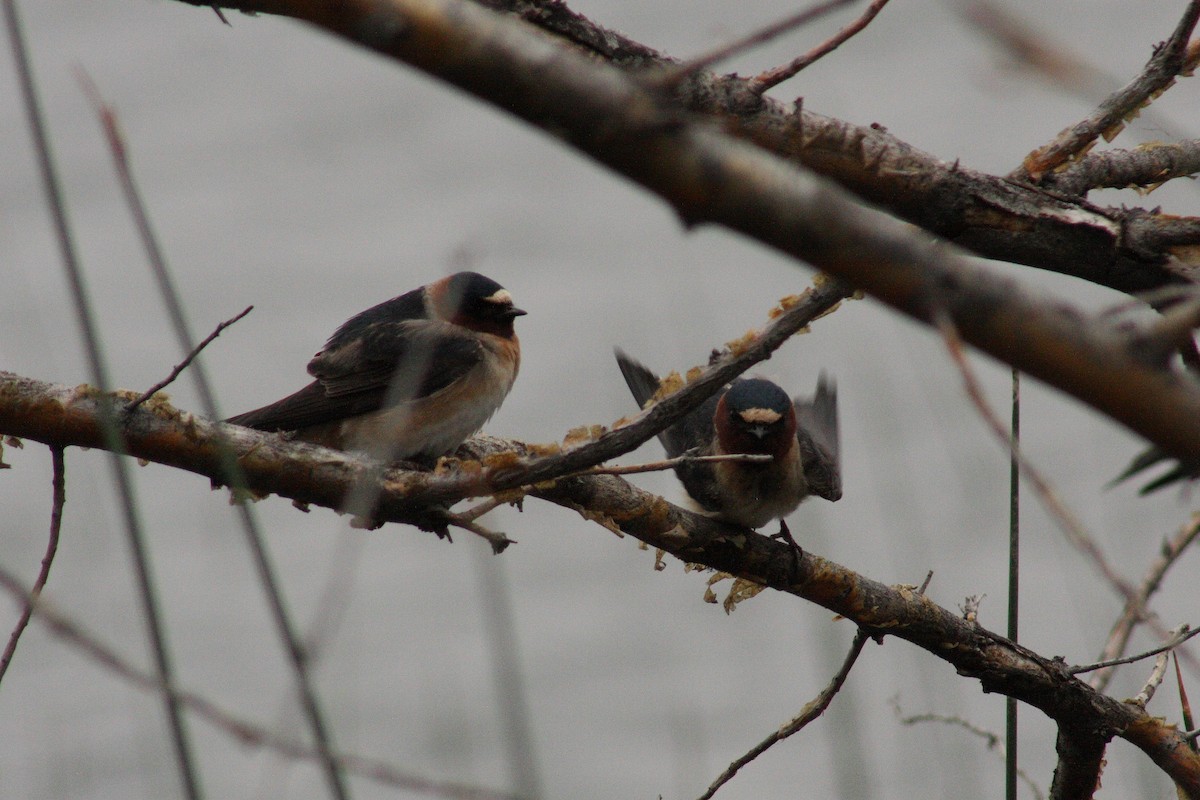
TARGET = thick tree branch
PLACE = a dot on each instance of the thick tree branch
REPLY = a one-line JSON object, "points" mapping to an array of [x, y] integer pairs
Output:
{"points": [[63, 416], [989, 215], [1145, 167], [711, 177]]}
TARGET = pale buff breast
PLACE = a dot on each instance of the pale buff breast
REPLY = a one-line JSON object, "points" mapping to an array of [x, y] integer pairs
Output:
{"points": [[753, 495]]}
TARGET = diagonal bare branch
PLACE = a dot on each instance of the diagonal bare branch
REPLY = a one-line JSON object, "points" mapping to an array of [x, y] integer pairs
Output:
{"points": [[811, 711], [1134, 612], [1164, 66], [777, 75], [59, 482], [188, 359], [766, 34]]}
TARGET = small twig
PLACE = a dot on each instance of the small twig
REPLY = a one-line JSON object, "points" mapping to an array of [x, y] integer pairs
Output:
{"points": [[1178, 637], [675, 74], [773, 77], [1185, 705], [475, 512], [1168, 61], [994, 741], [59, 483], [181, 366], [1157, 675], [498, 541], [1076, 534], [970, 607], [671, 463], [241, 730], [813, 709], [1134, 612], [925, 583]]}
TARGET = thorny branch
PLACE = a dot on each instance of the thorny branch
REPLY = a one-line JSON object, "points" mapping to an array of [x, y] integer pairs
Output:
{"points": [[157, 432], [711, 177], [992, 216]]}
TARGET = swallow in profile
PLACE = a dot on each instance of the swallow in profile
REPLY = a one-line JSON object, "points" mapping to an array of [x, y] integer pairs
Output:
{"points": [[752, 416], [409, 379]]}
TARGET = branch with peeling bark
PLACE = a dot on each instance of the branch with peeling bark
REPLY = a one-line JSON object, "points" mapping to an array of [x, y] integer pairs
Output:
{"points": [[990, 215], [64, 416], [710, 176]]}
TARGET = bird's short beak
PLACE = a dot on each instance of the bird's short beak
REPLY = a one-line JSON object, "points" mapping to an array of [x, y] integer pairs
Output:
{"points": [[758, 430], [517, 312]]}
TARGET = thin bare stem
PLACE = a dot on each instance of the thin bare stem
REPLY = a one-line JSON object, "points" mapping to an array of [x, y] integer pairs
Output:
{"points": [[182, 365], [56, 514], [766, 34], [1168, 61], [813, 709], [238, 728], [777, 75], [1011, 768], [1178, 637], [235, 477], [671, 463], [99, 371]]}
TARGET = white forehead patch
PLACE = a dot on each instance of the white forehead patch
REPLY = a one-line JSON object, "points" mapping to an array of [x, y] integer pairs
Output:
{"points": [[763, 415], [500, 297]]}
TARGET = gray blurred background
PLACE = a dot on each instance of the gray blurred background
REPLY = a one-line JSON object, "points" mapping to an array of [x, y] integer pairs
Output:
{"points": [[291, 171]]}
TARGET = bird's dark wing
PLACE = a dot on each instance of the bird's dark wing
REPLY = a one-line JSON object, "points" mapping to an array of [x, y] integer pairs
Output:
{"points": [[408, 306], [820, 446], [1145, 460], [386, 363], [307, 407], [416, 357], [694, 430]]}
